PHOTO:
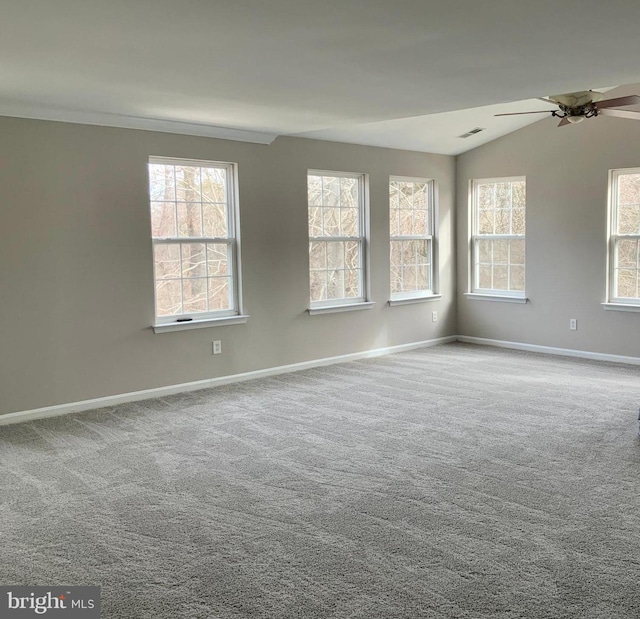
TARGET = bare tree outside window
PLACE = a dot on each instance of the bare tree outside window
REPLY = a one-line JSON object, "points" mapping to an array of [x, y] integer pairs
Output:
{"points": [[194, 243]]}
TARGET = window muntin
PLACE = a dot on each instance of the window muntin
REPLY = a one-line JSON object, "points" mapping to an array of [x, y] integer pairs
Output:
{"points": [[337, 238], [498, 236], [411, 228], [624, 237], [195, 242]]}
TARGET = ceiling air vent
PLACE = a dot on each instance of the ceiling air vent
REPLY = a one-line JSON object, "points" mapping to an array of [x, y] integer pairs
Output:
{"points": [[468, 134]]}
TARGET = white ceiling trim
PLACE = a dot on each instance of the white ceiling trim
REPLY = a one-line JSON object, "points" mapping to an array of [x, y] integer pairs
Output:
{"points": [[122, 121]]}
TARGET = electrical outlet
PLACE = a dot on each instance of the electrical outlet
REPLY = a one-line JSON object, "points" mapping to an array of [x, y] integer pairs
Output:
{"points": [[573, 324], [217, 347], [434, 316]]}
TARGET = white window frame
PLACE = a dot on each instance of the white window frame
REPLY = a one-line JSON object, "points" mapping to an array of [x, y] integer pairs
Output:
{"points": [[432, 223], [234, 314], [614, 302], [362, 301], [488, 293]]}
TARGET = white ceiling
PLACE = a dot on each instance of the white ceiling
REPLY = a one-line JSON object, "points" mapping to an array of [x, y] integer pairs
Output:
{"points": [[365, 71]]}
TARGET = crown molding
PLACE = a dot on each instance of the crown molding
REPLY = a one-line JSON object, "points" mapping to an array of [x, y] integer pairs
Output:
{"points": [[122, 121]]}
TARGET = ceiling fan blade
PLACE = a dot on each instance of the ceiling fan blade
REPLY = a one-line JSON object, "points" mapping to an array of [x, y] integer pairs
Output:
{"points": [[620, 114], [619, 102], [563, 122], [518, 113], [547, 100]]}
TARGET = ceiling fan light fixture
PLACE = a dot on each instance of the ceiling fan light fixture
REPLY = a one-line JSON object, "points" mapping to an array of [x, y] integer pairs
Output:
{"points": [[575, 119]]}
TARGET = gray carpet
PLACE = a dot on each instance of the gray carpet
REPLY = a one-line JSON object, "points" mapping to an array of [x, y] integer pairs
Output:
{"points": [[457, 481]]}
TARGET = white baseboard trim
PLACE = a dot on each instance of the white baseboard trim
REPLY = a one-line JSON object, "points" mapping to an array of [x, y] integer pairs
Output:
{"points": [[146, 394], [550, 350]]}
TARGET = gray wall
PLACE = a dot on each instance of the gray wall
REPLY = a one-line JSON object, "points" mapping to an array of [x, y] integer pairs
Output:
{"points": [[76, 286], [567, 177]]}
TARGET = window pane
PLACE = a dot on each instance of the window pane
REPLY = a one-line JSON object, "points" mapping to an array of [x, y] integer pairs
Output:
{"points": [[217, 259], [517, 278], [317, 255], [394, 222], [486, 196], [331, 222], [420, 223], [502, 221], [406, 222], [194, 295], [335, 255], [162, 185], [349, 192], [335, 284], [484, 277], [627, 253], [167, 261], [352, 283], [409, 281], [500, 278], [503, 195], [519, 194], [318, 285], [516, 252], [188, 184], [189, 219], [169, 297], [349, 221], [214, 185], [163, 219], [394, 195], [352, 255], [484, 251], [629, 189], [314, 190], [315, 221], [406, 195], [423, 278], [396, 279], [193, 260], [500, 252], [219, 293], [627, 283], [629, 219], [517, 221], [330, 191], [396, 253], [420, 195], [485, 221], [214, 217]]}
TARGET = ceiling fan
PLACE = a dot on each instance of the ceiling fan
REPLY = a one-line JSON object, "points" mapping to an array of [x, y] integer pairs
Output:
{"points": [[574, 107]]}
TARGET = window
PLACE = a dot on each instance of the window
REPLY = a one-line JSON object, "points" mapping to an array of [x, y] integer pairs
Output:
{"points": [[412, 225], [337, 239], [195, 240], [498, 237], [624, 237]]}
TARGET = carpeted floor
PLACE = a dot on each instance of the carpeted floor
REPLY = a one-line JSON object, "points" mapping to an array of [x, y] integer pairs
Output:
{"points": [[456, 481]]}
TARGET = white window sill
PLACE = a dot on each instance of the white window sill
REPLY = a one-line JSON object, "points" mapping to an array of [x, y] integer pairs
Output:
{"points": [[200, 324], [409, 300], [622, 307], [347, 307], [502, 298]]}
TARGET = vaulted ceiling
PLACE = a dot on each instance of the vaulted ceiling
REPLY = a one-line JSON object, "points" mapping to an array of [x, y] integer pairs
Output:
{"points": [[368, 71]]}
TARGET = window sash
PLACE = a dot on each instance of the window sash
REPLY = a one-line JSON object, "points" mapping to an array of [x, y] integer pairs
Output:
{"points": [[231, 241], [615, 269]]}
